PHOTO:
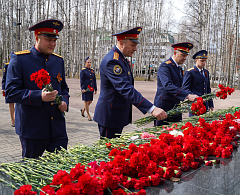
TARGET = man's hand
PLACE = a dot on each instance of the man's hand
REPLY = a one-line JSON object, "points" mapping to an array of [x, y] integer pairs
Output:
{"points": [[211, 108], [63, 106], [191, 97], [95, 92], [159, 113], [83, 91], [49, 96]]}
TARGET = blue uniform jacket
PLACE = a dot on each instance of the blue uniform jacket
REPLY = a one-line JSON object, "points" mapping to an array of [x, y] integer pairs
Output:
{"points": [[87, 77], [35, 119], [169, 83], [196, 83], [114, 106]]}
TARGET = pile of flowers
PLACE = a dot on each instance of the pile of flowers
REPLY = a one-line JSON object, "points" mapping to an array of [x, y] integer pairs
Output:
{"points": [[186, 106], [148, 164]]}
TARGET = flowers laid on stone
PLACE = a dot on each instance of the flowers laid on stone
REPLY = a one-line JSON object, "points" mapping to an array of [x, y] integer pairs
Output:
{"points": [[136, 166]]}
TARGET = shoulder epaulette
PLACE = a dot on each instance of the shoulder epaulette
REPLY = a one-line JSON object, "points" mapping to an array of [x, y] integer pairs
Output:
{"points": [[83, 68], [22, 52], [190, 69], [116, 56], [57, 55], [168, 62], [6, 63]]}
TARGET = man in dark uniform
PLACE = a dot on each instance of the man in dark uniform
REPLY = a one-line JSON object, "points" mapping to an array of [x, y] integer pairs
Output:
{"points": [[11, 104], [196, 79], [114, 107], [40, 122], [169, 82]]}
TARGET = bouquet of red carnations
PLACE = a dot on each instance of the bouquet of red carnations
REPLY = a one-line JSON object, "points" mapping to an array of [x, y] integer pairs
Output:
{"points": [[198, 108], [88, 89], [42, 78], [188, 106]]}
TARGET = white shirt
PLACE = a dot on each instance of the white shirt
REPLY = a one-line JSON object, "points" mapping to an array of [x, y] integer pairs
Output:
{"points": [[176, 63], [200, 71]]}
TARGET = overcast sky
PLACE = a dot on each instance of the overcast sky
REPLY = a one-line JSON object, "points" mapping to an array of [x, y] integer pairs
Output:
{"points": [[177, 8]]}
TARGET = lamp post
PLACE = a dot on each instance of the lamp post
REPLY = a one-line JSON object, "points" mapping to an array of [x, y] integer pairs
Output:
{"points": [[18, 24]]}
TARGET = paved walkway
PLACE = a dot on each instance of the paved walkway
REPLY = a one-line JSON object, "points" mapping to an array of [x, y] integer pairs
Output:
{"points": [[79, 129]]}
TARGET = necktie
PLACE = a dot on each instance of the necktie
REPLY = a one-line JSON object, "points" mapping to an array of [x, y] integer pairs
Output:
{"points": [[180, 71], [202, 72], [128, 62]]}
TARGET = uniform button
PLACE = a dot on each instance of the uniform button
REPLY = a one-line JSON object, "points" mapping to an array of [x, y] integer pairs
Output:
{"points": [[90, 74], [52, 103], [46, 59], [204, 88], [52, 118], [90, 79], [204, 83], [91, 83]]}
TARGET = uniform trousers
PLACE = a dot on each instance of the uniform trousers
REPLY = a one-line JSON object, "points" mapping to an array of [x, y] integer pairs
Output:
{"points": [[109, 132], [33, 148], [173, 118]]}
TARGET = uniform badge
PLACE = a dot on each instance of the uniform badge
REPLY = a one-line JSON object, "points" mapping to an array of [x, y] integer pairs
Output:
{"points": [[56, 23], [59, 78], [115, 56], [92, 71], [190, 69], [205, 73], [117, 69], [168, 62], [4, 69], [22, 52], [128, 72]]}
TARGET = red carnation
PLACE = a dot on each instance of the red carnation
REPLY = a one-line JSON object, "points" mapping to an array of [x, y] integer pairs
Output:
{"points": [[209, 163], [155, 179], [25, 190], [78, 171], [62, 177], [194, 165], [178, 174], [139, 184], [70, 189], [47, 190], [141, 192], [119, 191], [168, 173], [41, 78]]}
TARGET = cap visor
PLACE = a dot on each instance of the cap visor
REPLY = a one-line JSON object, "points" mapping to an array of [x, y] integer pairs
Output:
{"points": [[183, 52], [135, 41], [51, 36]]}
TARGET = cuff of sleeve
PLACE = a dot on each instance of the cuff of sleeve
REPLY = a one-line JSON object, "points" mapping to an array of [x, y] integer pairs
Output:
{"points": [[185, 98], [151, 109]]}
